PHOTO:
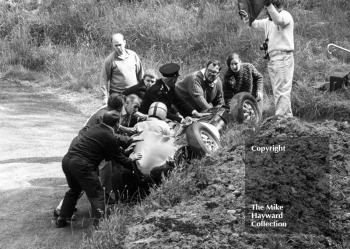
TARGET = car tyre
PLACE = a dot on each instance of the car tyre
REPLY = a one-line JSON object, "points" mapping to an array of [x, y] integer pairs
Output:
{"points": [[244, 109], [201, 139]]}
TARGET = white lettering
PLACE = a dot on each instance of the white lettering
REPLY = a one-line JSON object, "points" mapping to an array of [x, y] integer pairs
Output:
{"points": [[266, 149], [267, 216], [268, 224]]}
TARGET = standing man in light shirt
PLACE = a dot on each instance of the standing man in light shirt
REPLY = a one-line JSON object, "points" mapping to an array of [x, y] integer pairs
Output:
{"points": [[279, 40], [121, 69]]}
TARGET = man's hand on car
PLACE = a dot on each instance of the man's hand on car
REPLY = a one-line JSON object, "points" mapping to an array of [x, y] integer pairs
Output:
{"points": [[244, 15], [136, 132], [136, 138], [141, 115], [128, 130], [187, 121], [135, 156], [197, 114], [105, 100]]}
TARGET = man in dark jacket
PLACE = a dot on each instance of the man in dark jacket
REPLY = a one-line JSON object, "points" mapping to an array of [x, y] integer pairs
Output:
{"points": [[80, 165], [164, 91], [115, 102]]}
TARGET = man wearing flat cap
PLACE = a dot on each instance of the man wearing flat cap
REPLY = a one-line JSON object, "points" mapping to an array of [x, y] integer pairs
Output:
{"points": [[164, 91]]}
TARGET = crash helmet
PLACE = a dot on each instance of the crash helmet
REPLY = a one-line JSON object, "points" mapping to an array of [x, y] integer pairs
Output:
{"points": [[158, 109]]}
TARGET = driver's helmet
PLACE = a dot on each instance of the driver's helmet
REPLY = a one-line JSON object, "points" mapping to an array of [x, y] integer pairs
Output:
{"points": [[158, 109]]}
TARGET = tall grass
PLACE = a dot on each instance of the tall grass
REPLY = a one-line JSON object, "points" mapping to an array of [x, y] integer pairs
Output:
{"points": [[68, 40]]}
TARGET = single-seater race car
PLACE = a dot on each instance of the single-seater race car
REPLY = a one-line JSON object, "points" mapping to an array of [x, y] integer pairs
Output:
{"points": [[198, 137]]}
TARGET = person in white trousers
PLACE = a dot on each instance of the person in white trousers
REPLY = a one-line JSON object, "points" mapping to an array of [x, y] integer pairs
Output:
{"points": [[279, 40]]}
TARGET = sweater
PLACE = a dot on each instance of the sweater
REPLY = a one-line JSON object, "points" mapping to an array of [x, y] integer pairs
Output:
{"points": [[279, 30], [195, 91], [117, 73], [247, 79]]}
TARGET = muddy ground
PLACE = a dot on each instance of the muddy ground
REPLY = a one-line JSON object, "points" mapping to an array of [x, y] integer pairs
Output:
{"points": [[204, 206], [213, 216], [35, 131]]}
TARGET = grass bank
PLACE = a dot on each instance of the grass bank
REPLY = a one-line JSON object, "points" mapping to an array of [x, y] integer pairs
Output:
{"points": [[204, 206], [67, 41]]}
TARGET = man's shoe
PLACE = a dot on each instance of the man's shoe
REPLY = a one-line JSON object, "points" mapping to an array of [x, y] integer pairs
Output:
{"points": [[56, 212], [61, 222]]}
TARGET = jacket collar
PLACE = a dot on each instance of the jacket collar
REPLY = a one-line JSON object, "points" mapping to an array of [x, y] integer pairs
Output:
{"points": [[164, 86]]}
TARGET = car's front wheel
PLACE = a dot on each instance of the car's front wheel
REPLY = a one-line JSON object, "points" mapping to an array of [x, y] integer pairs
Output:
{"points": [[201, 139]]}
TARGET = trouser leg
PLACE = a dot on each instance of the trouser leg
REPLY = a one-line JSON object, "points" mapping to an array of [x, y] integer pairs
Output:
{"points": [[72, 195], [126, 184], [59, 206], [281, 69], [105, 170], [89, 182]]}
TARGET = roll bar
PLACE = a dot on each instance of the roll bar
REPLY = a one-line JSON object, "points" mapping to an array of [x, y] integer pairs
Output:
{"points": [[336, 46]]}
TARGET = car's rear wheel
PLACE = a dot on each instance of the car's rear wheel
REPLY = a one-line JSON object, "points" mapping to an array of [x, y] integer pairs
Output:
{"points": [[244, 109]]}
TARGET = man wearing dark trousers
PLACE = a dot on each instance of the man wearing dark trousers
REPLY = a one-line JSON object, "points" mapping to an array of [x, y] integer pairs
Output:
{"points": [[80, 166], [115, 102]]}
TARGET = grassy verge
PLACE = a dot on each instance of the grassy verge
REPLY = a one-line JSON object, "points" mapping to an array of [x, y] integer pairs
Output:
{"points": [[203, 207], [67, 41]]}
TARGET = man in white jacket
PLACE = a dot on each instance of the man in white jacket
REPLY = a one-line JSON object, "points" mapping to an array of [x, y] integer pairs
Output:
{"points": [[279, 39], [156, 147]]}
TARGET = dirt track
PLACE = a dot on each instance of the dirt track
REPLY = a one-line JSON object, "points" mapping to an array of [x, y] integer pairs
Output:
{"points": [[35, 131]]}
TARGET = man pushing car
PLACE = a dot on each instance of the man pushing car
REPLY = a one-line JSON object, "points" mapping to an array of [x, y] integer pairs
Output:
{"points": [[80, 166]]}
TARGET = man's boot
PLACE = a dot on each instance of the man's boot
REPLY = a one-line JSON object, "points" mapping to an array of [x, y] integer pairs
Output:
{"points": [[61, 222]]}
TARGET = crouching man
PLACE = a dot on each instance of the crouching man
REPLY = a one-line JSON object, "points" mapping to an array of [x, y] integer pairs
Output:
{"points": [[80, 166], [202, 89]]}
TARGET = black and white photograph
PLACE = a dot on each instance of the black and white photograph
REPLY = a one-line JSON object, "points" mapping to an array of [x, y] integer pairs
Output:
{"points": [[175, 124]]}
